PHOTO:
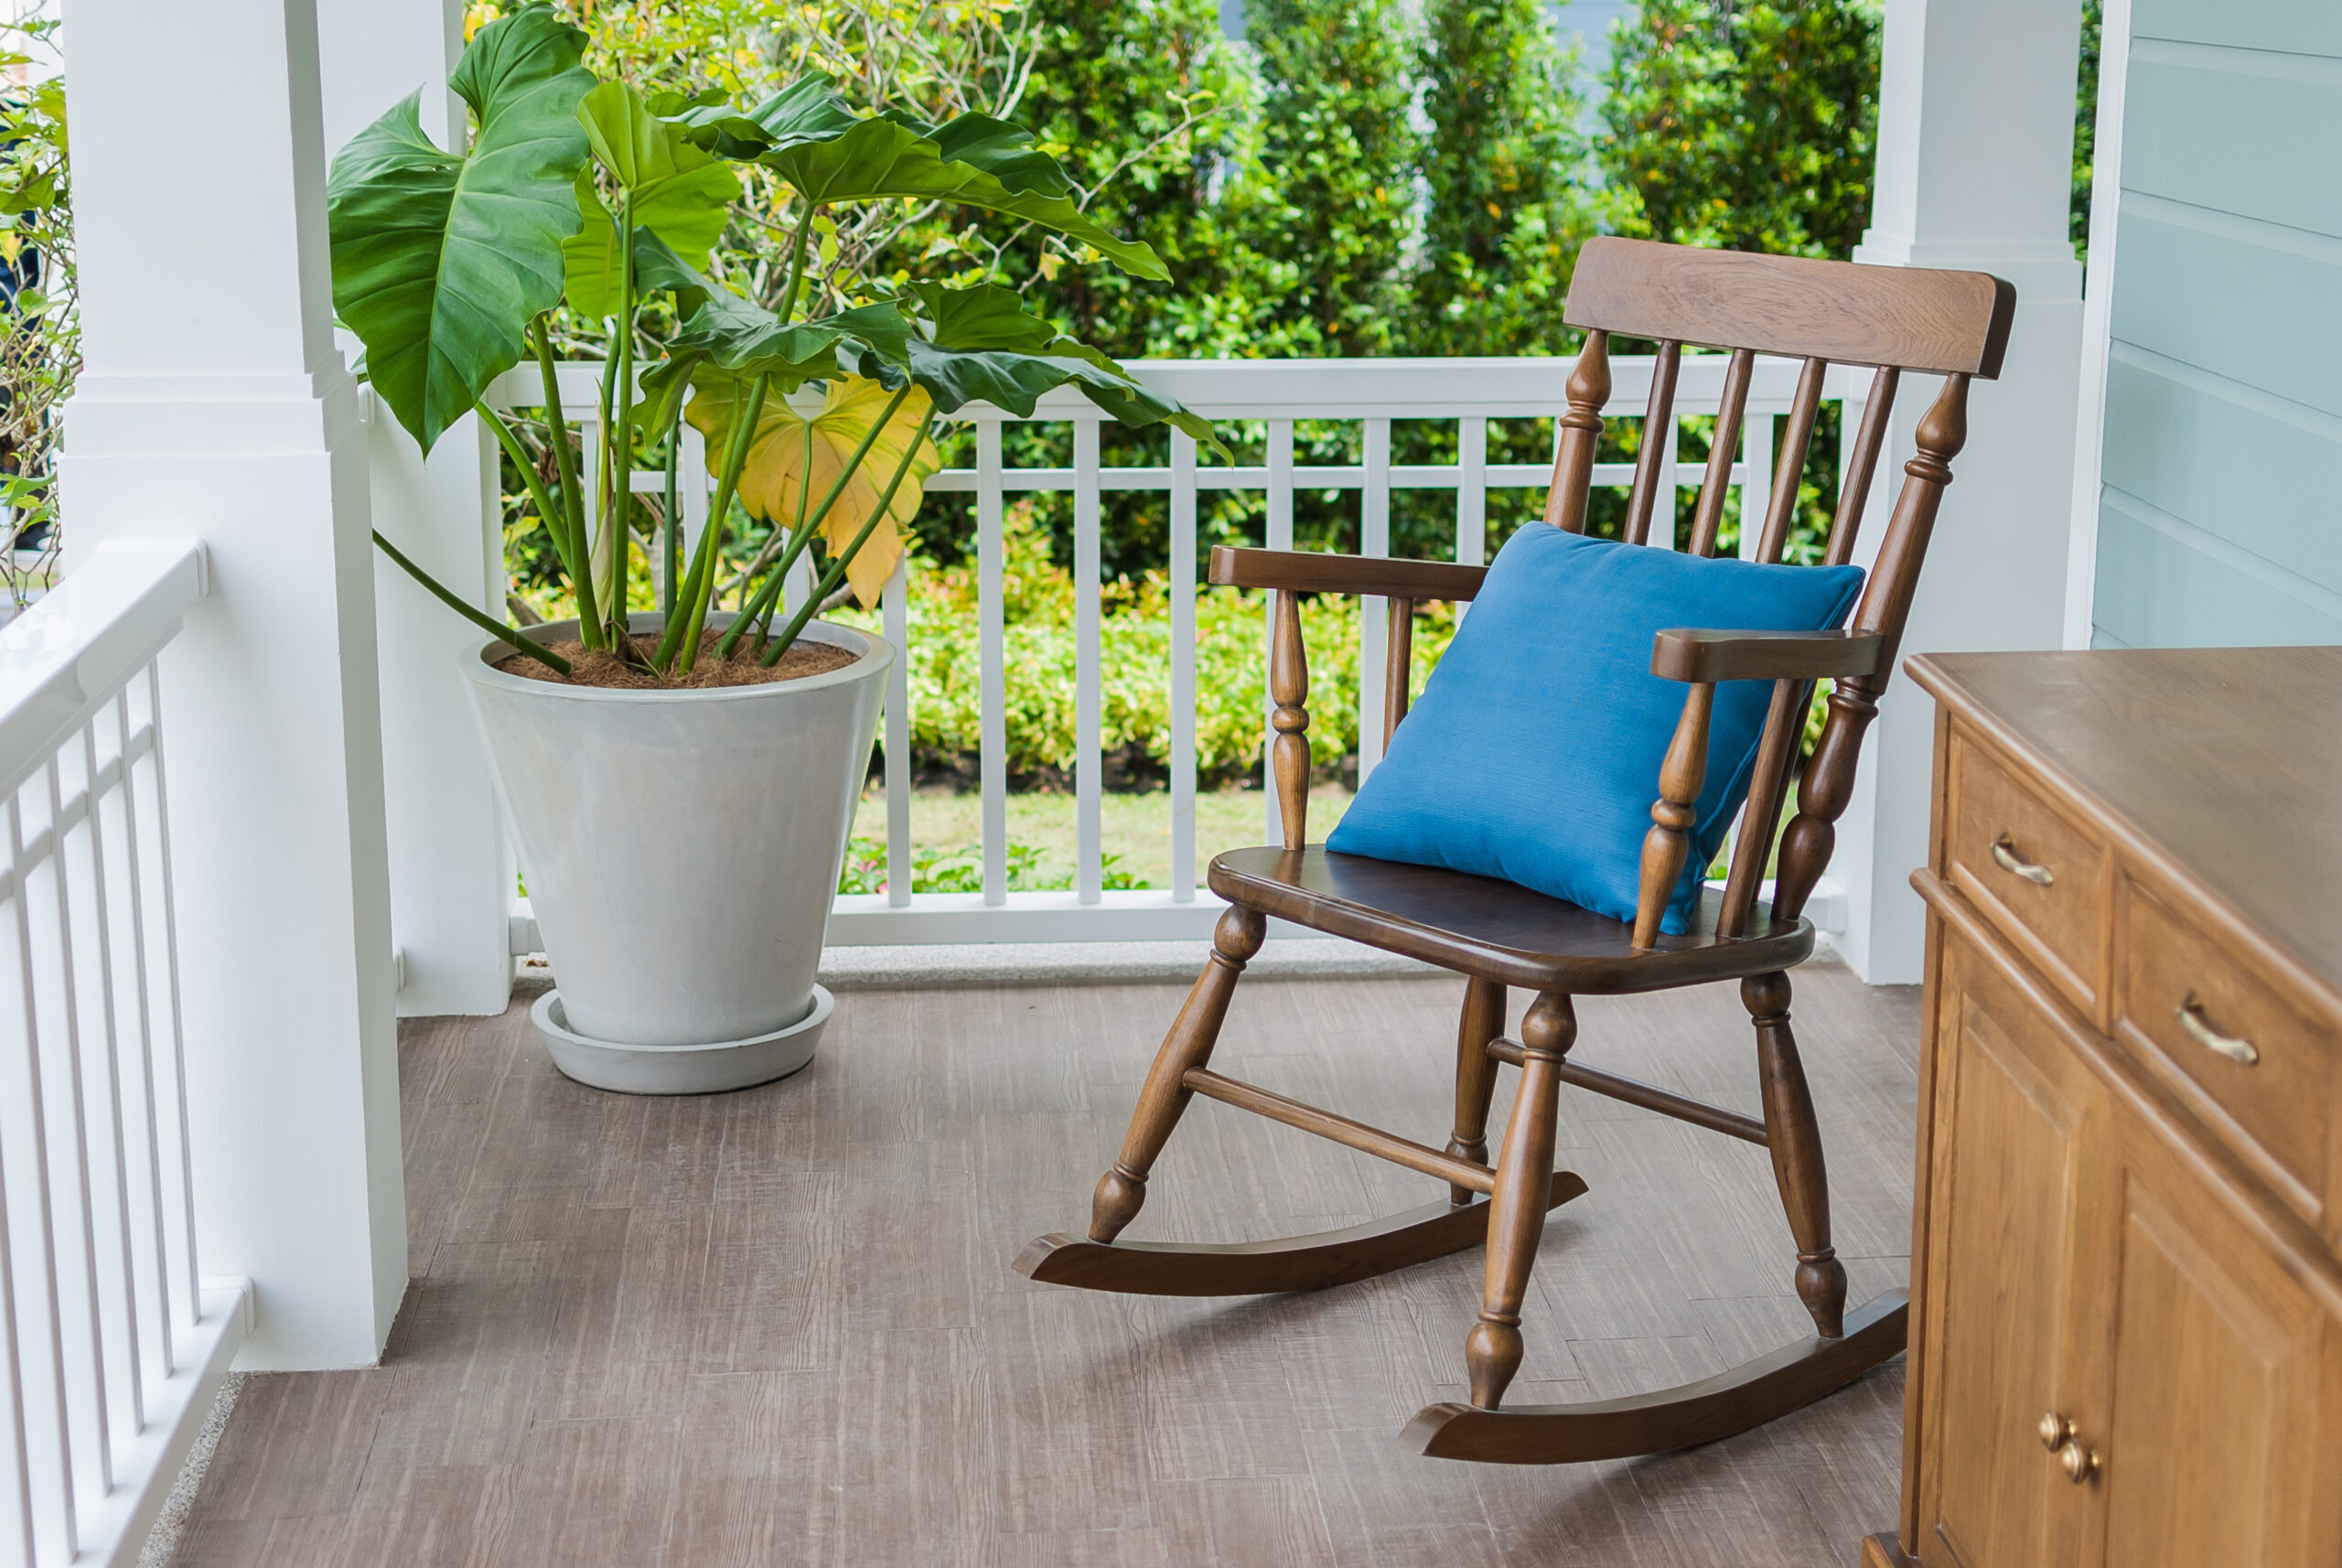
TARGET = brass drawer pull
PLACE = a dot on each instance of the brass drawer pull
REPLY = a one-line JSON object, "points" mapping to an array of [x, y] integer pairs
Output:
{"points": [[2055, 1431], [2004, 856], [2241, 1051]]}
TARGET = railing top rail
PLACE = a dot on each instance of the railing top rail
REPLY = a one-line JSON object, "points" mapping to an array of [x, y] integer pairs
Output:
{"points": [[70, 654], [1526, 387]]}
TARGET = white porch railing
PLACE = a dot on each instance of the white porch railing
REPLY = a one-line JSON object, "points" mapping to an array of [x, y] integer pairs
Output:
{"points": [[1468, 393], [112, 1342]]}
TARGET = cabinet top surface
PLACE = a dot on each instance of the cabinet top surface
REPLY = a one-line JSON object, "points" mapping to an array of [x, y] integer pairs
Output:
{"points": [[2227, 762]]}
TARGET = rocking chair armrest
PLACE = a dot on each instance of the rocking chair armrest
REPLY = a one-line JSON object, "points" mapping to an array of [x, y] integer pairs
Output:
{"points": [[1315, 572], [1699, 655]]}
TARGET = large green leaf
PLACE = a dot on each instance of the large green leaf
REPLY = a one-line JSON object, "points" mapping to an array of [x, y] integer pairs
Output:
{"points": [[441, 259], [985, 348], [682, 193], [589, 258], [747, 339], [1001, 149], [809, 136], [808, 110]]}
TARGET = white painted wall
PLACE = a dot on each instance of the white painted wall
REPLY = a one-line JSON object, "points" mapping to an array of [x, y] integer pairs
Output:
{"points": [[1975, 154], [452, 877], [214, 404]]}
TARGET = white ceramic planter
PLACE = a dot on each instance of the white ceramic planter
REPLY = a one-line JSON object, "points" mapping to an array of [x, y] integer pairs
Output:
{"points": [[680, 851]]}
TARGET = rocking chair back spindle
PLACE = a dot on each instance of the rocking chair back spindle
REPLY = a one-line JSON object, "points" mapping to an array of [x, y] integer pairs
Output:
{"points": [[1497, 935]]}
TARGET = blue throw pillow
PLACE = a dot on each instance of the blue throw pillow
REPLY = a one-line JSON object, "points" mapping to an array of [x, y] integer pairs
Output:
{"points": [[1535, 753]]}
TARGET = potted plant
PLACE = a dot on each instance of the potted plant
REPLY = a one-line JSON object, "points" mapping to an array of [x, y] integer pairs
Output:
{"points": [[680, 781]]}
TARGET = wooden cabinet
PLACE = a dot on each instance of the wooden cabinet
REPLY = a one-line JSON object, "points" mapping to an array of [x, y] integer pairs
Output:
{"points": [[2018, 1125], [2126, 1345], [2205, 1383]]}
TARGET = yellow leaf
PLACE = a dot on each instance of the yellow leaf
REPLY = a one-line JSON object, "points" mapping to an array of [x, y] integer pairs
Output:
{"points": [[775, 472]]}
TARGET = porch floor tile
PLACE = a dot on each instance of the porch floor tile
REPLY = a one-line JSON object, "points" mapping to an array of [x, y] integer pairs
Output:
{"points": [[780, 1327]]}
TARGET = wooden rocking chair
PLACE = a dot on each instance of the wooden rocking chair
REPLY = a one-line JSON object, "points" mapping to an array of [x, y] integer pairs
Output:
{"points": [[1500, 935]]}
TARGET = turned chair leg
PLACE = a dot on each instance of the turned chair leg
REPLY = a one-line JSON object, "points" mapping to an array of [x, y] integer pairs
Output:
{"points": [[1517, 1214], [1122, 1189], [1475, 1075], [1796, 1143]]}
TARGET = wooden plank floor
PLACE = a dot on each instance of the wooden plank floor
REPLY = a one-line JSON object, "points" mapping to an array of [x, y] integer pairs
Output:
{"points": [[780, 1327]]}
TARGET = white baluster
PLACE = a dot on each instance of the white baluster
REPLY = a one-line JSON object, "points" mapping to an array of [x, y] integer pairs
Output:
{"points": [[993, 741], [896, 609], [1471, 497], [125, 1306], [589, 479], [1373, 616], [1089, 758], [171, 967], [132, 879], [84, 1237], [35, 1110], [1183, 668], [22, 1522], [692, 484], [1662, 510], [1756, 491]]}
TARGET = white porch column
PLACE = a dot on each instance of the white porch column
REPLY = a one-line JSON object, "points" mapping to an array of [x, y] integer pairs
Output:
{"points": [[451, 877], [1975, 154], [213, 403]]}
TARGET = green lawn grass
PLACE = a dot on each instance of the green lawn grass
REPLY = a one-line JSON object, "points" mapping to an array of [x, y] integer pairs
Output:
{"points": [[1134, 830]]}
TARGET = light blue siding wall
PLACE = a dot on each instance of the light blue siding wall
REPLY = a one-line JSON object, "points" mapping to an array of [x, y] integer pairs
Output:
{"points": [[2221, 517]]}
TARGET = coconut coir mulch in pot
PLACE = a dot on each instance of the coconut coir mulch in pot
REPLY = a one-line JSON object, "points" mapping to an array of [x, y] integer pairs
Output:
{"points": [[600, 667]]}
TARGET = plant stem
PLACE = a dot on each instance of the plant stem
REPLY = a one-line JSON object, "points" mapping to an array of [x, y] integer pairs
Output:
{"points": [[447, 596], [796, 262], [770, 589], [579, 557], [680, 639], [839, 563], [672, 549], [617, 438], [548, 510]]}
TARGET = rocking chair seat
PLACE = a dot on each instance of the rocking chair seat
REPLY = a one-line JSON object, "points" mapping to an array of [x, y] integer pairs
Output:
{"points": [[1498, 931]]}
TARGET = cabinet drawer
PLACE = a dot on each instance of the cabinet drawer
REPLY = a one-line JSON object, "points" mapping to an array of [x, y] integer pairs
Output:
{"points": [[2267, 1069], [2034, 875]]}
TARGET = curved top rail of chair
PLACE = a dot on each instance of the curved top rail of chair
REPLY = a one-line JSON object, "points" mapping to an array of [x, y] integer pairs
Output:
{"points": [[1920, 318]]}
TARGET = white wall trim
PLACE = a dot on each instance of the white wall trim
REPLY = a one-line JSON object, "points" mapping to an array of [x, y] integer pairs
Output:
{"points": [[2098, 317]]}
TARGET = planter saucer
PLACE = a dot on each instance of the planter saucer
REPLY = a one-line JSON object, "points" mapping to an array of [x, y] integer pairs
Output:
{"points": [[680, 1069]]}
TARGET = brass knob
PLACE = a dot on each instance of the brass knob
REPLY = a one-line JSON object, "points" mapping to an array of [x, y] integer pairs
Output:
{"points": [[2054, 1430], [2078, 1462]]}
